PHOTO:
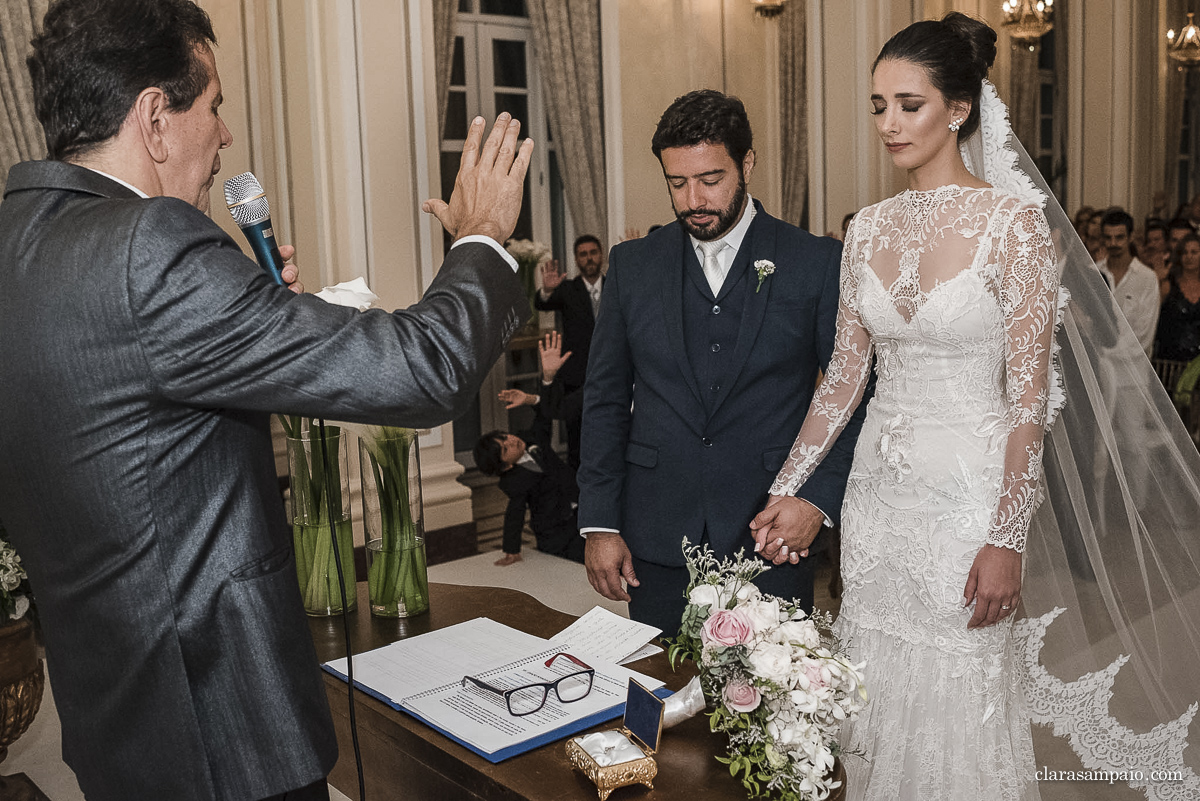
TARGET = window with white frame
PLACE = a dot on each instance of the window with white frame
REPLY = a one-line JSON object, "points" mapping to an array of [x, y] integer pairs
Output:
{"points": [[493, 71]]}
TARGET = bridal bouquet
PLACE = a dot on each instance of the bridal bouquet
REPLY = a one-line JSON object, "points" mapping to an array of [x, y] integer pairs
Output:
{"points": [[777, 680]]}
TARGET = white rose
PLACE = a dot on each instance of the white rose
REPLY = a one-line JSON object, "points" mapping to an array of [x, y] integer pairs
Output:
{"points": [[746, 592], [706, 595], [771, 661], [798, 632], [764, 615]]}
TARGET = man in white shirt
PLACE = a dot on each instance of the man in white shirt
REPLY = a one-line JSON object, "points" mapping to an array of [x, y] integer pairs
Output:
{"points": [[1134, 285]]}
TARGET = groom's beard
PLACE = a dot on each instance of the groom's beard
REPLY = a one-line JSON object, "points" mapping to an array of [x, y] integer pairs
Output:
{"points": [[726, 218]]}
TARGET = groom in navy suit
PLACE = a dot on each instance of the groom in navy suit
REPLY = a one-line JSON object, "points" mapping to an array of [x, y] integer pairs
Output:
{"points": [[704, 360]]}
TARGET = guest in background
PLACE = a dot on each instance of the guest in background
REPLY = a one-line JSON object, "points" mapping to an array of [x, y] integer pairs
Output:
{"points": [[1083, 216], [1094, 240], [531, 474], [579, 301], [1154, 253], [1177, 229], [1178, 335], [1133, 283]]}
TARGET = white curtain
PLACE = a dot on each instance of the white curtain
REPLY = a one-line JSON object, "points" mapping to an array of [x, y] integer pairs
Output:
{"points": [[793, 112], [444, 12], [566, 40], [20, 134]]}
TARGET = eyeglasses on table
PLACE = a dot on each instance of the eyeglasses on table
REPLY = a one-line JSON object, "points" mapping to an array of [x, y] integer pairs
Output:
{"points": [[529, 698]]}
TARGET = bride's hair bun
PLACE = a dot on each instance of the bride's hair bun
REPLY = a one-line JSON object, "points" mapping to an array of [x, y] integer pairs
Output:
{"points": [[956, 51]]}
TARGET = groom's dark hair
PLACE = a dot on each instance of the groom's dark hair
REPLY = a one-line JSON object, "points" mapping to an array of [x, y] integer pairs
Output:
{"points": [[705, 116]]}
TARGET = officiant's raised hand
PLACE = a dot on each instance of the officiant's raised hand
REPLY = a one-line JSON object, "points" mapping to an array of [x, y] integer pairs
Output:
{"points": [[608, 560], [785, 528], [487, 193]]}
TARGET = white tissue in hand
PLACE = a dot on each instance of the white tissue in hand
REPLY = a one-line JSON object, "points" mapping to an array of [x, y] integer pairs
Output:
{"points": [[354, 293]]}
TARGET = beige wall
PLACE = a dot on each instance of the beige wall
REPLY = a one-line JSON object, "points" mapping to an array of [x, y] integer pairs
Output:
{"points": [[665, 49], [320, 101]]}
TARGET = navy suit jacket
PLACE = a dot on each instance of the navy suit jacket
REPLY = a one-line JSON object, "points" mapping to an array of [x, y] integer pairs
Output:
{"points": [[575, 302], [656, 465]]}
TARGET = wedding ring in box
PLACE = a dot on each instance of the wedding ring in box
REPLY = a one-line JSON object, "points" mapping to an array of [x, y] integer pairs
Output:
{"points": [[624, 756]]}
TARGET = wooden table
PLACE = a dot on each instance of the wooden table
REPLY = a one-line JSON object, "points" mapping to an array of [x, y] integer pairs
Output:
{"points": [[405, 759]]}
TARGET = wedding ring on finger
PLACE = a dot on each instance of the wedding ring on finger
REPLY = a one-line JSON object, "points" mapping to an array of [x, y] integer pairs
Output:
{"points": [[1005, 608]]}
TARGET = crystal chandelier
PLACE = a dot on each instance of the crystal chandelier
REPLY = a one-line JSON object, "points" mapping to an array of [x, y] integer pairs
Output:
{"points": [[1185, 48], [1028, 20], [768, 8]]}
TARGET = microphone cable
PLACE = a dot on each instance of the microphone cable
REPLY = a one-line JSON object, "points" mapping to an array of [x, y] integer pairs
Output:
{"points": [[337, 561]]}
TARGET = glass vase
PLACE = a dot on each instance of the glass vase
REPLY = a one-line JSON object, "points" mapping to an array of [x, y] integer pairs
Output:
{"points": [[320, 491], [397, 582]]}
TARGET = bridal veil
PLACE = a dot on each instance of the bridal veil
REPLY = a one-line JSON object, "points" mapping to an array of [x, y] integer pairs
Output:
{"points": [[1109, 639]]}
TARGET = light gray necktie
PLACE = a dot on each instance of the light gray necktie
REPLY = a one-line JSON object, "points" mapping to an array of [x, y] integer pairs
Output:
{"points": [[712, 265], [594, 291]]}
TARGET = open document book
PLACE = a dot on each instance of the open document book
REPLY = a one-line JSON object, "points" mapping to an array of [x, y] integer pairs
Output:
{"points": [[423, 676]]}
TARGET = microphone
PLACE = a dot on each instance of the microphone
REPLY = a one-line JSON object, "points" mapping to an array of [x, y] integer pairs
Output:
{"points": [[248, 204]]}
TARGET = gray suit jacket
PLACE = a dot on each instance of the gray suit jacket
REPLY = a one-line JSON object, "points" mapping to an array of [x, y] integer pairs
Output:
{"points": [[140, 356]]}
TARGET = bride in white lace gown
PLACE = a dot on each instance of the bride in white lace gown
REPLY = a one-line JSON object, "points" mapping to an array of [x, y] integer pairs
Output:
{"points": [[951, 289]]}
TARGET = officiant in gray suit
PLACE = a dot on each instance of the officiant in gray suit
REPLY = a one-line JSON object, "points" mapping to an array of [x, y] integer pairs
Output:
{"points": [[140, 357]]}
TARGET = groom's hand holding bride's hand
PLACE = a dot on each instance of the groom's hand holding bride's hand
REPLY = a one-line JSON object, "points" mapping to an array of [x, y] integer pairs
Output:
{"points": [[994, 584], [785, 528], [608, 560]]}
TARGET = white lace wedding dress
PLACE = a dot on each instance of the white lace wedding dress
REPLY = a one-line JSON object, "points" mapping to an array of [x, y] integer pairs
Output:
{"points": [[954, 293]]}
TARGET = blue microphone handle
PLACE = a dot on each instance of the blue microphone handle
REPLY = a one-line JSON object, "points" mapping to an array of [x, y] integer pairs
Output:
{"points": [[266, 252]]}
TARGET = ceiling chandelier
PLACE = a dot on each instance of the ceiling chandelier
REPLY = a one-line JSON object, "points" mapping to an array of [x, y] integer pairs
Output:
{"points": [[1028, 20], [1185, 48], [768, 8]]}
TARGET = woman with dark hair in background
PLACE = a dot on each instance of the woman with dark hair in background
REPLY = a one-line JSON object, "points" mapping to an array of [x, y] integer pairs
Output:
{"points": [[1178, 336], [952, 288]]}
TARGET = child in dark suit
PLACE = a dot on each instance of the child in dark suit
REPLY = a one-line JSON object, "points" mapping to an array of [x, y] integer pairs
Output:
{"points": [[531, 474]]}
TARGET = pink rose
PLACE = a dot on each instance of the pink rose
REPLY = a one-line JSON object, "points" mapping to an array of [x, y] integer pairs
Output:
{"points": [[812, 670], [726, 627], [741, 696]]}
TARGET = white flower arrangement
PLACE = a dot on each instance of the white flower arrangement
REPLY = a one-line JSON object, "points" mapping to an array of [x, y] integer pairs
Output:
{"points": [[777, 680], [527, 251], [763, 267]]}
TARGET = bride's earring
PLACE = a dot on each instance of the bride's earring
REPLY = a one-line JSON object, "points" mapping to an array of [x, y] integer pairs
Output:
{"points": [[954, 126]]}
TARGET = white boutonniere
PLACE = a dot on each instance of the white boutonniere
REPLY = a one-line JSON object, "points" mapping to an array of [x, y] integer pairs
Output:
{"points": [[763, 267]]}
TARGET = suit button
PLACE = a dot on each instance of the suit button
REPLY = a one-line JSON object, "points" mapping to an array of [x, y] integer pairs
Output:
{"points": [[716, 347], [716, 387], [716, 309], [706, 442]]}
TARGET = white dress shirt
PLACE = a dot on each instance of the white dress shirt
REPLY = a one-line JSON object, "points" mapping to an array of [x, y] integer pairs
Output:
{"points": [[1138, 298]]}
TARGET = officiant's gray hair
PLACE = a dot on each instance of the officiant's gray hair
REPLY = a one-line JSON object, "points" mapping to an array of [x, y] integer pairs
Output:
{"points": [[705, 116]]}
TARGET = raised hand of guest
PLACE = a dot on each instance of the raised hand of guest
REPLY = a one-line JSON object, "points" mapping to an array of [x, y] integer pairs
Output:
{"points": [[551, 355], [487, 193], [515, 398], [552, 277]]}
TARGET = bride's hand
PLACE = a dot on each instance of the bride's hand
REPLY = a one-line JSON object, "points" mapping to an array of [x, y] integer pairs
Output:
{"points": [[785, 528], [994, 584]]}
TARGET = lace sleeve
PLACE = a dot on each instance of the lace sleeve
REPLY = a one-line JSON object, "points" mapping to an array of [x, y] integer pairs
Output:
{"points": [[841, 390], [1029, 298]]}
